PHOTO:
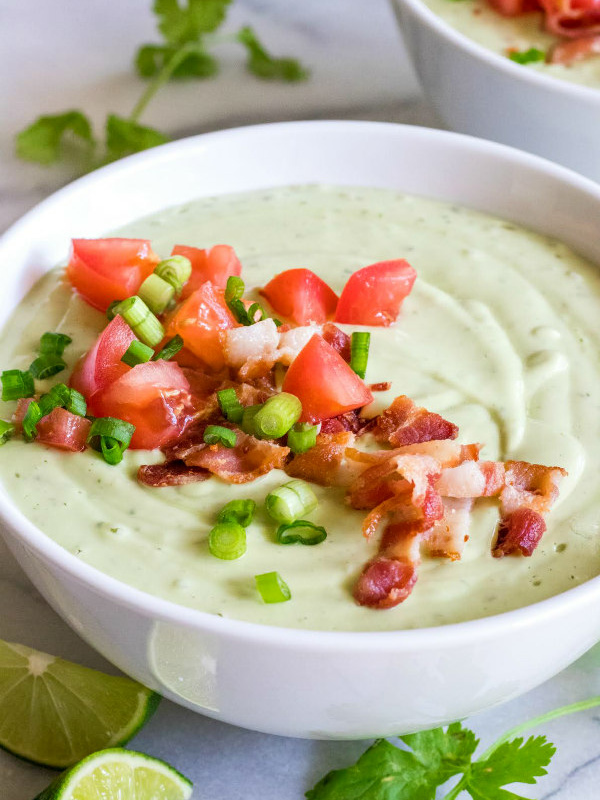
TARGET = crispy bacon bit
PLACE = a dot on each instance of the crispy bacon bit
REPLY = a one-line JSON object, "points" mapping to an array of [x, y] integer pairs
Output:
{"points": [[326, 462], [528, 485], [570, 52], [350, 421], [405, 423], [293, 340], [447, 452], [172, 473], [339, 340], [519, 532], [385, 582], [252, 350], [383, 386], [572, 18], [248, 460], [449, 535], [472, 479], [393, 476]]}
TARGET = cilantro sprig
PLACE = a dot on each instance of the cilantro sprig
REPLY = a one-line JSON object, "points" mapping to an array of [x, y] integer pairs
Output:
{"points": [[428, 759], [188, 29]]}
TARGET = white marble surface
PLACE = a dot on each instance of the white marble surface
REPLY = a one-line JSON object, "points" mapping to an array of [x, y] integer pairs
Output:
{"points": [[60, 54]]}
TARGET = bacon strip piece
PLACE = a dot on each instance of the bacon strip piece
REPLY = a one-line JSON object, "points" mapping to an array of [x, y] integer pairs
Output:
{"points": [[382, 386], [393, 476], [575, 50], [472, 479], [447, 452], [339, 340], [172, 473], [405, 423], [350, 421], [572, 18], [385, 582], [247, 461], [519, 532], [326, 463], [449, 535]]}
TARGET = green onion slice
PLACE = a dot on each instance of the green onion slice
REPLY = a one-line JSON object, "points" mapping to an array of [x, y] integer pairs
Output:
{"points": [[47, 365], [111, 450], [291, 501], [240, 511], [230, 406], [277, 416], [57, 397], [233, 297], [359, 352], [16, 384], [111, 311], [302, 437], [54, 343], [254, 309], [141, 320], [217, 434], [32, 416], [6, 431], [302, 532], [247, 423], [105, 431], [272, 587], [227, 540], [175, 271], [172, 347], [76, 403], [156, 293], [137, 353]]}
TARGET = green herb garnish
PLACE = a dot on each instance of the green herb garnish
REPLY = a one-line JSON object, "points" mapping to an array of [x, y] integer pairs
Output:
{"points": [[527, 56]]}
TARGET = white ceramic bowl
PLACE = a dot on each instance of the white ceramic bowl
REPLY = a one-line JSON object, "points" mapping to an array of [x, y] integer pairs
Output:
{"points": [[294, 682], [480, 92]]}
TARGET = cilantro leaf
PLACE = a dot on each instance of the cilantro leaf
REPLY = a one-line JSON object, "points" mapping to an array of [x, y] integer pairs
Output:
{"points": [[187, 22], [263, 65], [386, 772], [124, 137], [43, 141], [151, 58], [527, 56], [516, 761]]}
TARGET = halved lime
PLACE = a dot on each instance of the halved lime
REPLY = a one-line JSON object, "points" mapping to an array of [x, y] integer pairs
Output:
{"points": [[55, 713], [119, 775]]}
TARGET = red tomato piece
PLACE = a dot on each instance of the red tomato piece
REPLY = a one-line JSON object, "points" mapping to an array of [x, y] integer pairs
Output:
{"points": [[103, 270], [301, 296], [323, 382], [60, 428], [373, 295], [214, 264], [201, 322], [102, 365], [155, 397]]}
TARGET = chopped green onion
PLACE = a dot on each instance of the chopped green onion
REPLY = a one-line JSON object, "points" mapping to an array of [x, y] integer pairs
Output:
{"points": [[230, 406], [277, 416], [277, 322], [302, 437], [16, 384], [304, 533], [233, 297], [175, 270], [272, 587], [54, 343], [359, 352], [247, 423], [527, 56], [172, 347], [76, 403], [137, 353], [253, 311], [156, 293], [111, 311], [240, 511], [47, 365], [141, 320], [217, 434], [57, 397], [227, 540], [291, 501], [6, 431], [32, 416], [105, 432]]}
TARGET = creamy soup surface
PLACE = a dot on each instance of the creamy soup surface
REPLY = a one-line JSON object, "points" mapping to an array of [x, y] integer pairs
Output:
{"points": [[480, 22], [499, 335]]}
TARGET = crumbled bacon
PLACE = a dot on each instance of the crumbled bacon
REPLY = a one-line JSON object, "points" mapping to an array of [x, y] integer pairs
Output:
{"points": [[472, 479], [572, 18], [247, 460], [171, 473], [575, 50], [385, 582], [405, 423], [519, 532], [447, 538], [530, 485], [382, 386], [392, 476], [339, 340], [326, 462], [350, 421], [449, 453]]}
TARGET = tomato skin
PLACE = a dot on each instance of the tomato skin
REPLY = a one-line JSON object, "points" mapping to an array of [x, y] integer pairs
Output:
{"points": [[373, 295], [102, 364], [324, 383], [201, 321], [60, 428], [301, 296], [155, 397], [103, 270], [214, 264]]}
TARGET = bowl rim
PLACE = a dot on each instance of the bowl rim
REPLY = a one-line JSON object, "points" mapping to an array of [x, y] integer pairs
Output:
{"points": [[495, 60], [29, 536]]}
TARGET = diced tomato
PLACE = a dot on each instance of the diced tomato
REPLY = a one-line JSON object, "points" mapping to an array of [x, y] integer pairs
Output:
{"points": [[155, 397], [323, 382], [301, 296], [201, 321], [103, 270], [102, 365], [60, 428], [215, 264], [373, 295]]}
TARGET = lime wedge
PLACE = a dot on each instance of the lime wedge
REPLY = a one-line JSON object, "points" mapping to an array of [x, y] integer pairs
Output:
{"points": [[119, 775], [55, 713]]}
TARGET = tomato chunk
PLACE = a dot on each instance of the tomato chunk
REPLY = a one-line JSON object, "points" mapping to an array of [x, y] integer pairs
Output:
{"points": [[102, 365], [201, 321], [373, 295], [214, 264], [103, 270], [324, 383], [60, 428], [155, 397], [301, 296]]}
